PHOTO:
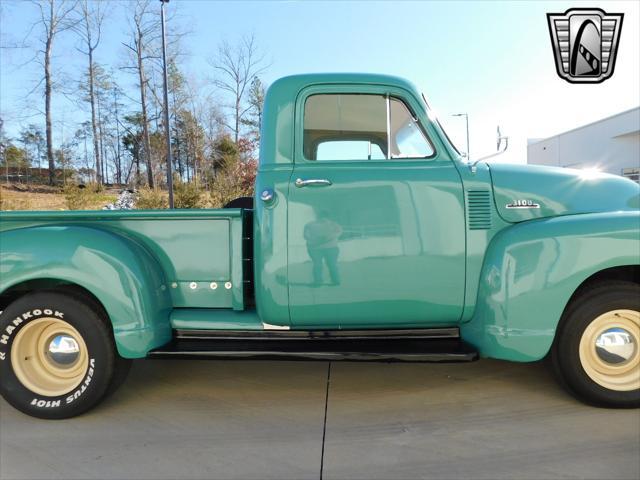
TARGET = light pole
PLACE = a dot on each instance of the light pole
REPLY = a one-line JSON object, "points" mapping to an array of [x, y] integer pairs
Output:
{"points": [[466, 118], [166, 108]]}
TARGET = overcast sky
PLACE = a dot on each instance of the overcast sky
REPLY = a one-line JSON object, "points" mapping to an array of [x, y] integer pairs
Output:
{"points": [[492, 60]]}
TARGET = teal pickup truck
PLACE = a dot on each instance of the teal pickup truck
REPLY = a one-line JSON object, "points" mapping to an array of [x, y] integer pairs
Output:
{"points": [[369, 238]]}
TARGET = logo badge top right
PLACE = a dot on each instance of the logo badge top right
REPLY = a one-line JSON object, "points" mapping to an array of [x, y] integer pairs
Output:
{"points": [[585, 43]]}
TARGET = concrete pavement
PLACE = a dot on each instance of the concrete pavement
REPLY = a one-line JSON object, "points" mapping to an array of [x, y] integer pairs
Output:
{"points": [[257, 419]]}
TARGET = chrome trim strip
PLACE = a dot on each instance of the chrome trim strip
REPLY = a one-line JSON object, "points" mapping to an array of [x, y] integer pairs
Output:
{"points": [[268, 326], [388, 127]]}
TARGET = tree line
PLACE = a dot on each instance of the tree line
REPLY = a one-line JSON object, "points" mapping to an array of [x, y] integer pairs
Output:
{"points": [[121, 140]]}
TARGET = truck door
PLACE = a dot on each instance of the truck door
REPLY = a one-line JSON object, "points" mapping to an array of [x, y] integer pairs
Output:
{"points": [[376, 232]]}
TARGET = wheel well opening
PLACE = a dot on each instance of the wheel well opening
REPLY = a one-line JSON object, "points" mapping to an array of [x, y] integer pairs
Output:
{"points": [[16, 291], [626, 273]]}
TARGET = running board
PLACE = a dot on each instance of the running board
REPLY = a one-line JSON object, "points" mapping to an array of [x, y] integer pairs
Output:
{"points": [[427, 350], [396, 334]]}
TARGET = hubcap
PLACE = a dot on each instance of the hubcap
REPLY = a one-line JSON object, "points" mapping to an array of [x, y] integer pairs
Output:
{"points": [[609, 350], [63, 350], [49, 357], [615, 346]]}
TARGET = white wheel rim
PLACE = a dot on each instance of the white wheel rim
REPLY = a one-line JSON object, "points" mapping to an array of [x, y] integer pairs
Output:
{"points": [[49, 357], [610, 350]]}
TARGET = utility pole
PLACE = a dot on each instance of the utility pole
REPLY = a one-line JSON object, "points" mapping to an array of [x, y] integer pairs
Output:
{"points": [[466, 117], [166, 108]]}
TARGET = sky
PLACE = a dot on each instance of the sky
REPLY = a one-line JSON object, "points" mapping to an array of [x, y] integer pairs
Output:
{"points": [[491, 60]]}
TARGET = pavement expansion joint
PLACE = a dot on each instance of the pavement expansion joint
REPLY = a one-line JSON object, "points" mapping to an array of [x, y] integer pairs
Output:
{"points": [[324, 424]]}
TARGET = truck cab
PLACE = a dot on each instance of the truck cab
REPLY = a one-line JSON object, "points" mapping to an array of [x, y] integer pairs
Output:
{"points": [[357, 203]]}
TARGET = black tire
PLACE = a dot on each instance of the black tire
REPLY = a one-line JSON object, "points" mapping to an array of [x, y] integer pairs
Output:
{"points": [[101, 355], [565, 352], [120, 373], [122, 365]]}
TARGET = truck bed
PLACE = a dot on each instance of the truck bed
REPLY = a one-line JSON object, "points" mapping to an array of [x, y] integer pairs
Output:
{"points": [[199, 251]]}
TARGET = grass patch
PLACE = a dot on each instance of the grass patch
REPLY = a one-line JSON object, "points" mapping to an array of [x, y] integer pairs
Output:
{"points": [[152, 199], [49, 198]]}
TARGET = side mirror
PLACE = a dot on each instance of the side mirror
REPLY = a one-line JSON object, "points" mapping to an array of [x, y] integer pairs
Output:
{"points": [[500, 139]]}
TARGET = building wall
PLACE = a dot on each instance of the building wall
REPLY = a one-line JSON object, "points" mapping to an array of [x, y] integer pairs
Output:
{"points": [[611, 145]]}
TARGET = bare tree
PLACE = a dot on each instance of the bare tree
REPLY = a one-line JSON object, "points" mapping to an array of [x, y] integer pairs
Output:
{"points": [[115, 90], [198, 103], [236, 66], [144, 31], [55, 17], [89, 29]]}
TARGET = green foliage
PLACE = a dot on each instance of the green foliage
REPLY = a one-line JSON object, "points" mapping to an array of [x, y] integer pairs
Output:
{"points": [[224, 151], [15, 157], [235, 179], [64, 157], [33, 139], [132, 139], [77, 198], [187, 195], [256, 106], [225, 146], [151, 199]]}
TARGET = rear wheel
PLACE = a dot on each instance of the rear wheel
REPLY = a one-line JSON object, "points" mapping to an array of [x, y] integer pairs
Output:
{"points": [[597, 349], [57, 355]]}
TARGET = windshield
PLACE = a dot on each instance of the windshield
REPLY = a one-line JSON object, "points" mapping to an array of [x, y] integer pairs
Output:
{"points": [[434, 118]]}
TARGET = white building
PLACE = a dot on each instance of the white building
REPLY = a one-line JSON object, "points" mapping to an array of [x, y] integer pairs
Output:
{"points": [[610, 145]]}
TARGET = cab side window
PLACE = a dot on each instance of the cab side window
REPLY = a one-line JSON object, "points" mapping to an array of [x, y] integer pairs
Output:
{"points": [[361, 127]]}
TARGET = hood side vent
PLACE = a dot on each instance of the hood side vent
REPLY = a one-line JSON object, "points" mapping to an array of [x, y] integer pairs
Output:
{"points": [[479, 209]]}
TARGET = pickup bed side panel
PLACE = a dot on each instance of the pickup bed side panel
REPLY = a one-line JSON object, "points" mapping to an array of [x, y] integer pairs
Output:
{"points": [[121, 274], [532, 269]]}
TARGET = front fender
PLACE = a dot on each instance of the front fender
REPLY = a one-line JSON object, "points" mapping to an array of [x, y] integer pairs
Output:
{"points": [[121, 274], [532, 269]]}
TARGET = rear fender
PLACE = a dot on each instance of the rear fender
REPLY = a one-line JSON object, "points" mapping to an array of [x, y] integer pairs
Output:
{"points": [[532, 269], [119, 272]]}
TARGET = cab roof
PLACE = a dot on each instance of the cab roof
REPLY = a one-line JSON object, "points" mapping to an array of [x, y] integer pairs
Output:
{"points": [[278, 117], [300, 81]]}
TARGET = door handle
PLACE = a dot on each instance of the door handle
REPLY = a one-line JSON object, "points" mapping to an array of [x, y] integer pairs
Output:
{"points": [[319, 182]]}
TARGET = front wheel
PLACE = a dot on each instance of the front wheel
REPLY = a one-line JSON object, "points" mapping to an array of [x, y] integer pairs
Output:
{"points": [[597, 349], [57, 355]]}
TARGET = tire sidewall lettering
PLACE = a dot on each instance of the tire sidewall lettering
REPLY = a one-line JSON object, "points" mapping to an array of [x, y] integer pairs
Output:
{"points": [[7, 333], [47, 402], [84, 385]]}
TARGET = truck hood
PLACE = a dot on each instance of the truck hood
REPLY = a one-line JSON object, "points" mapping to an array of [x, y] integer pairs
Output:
{"points": [[525, 192]]}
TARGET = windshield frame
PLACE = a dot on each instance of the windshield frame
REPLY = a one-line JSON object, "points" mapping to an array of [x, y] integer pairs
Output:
{"points": [[433, 117]]}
